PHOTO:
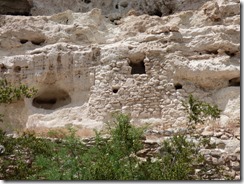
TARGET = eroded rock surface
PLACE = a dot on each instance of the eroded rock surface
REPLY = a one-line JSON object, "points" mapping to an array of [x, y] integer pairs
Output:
{"points": [[116, 9], [15, 7], [88, 65], [91, 58]]}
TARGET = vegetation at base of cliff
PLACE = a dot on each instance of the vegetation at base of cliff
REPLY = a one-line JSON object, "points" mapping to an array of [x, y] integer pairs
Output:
{"points": [[31, 158], [28, 157]]}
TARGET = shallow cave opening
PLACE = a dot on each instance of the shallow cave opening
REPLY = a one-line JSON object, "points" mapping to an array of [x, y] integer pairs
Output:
{"points": [[231, 54], [38, 42], [45, 101], [3, 68], [51, 99], [87, 1], [156, 12], [115, 90], [215, 52], [138, 68], [234, 81], [170, 12], [178, 86], [18, 13], [23, 41], [17, 69]]}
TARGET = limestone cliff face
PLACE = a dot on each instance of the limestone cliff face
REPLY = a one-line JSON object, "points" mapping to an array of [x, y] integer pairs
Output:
{"points": [[138, 57], [15, 7]]}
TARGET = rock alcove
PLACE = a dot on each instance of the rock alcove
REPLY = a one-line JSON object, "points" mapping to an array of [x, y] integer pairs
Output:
{"points": [[51, 99], [234, 81]]}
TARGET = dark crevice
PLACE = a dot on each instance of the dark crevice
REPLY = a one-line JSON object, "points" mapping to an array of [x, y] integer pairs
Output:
{"points": [[170, 7], [178, 86], [37, 42], [166, 32], [231, 54], [23, 41], [87, 1], [3, 68], [115, 90], [18, 13], [170, 12], [138, 68], [156, 12], [43, 101], [51, 67], [115, 20], [117, 6], [212, 52], [234, 81], [59, 59], [17, 69], [216, 19]]}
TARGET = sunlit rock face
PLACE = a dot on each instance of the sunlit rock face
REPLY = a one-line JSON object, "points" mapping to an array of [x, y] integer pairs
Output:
{"points": [[91, 58]]}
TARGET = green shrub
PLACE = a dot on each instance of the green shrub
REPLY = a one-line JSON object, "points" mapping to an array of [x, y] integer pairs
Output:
{"points": [[19, 155], [9, 93], [197, 111], [106, 159], [115, 159]]}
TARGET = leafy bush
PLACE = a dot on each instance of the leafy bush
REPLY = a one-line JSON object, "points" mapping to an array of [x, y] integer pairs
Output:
{"points": [[8, 92], [17, 159], [198, 111]]}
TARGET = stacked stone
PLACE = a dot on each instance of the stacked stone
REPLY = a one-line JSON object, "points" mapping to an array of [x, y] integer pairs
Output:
{"points": [[146, 95]]}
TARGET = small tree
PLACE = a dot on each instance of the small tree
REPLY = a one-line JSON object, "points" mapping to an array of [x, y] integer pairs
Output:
{"points": [[198, 111]]}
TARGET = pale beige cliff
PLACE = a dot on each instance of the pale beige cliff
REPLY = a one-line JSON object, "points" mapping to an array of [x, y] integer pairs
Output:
{"points": [[91, 58], [88, 65]]}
